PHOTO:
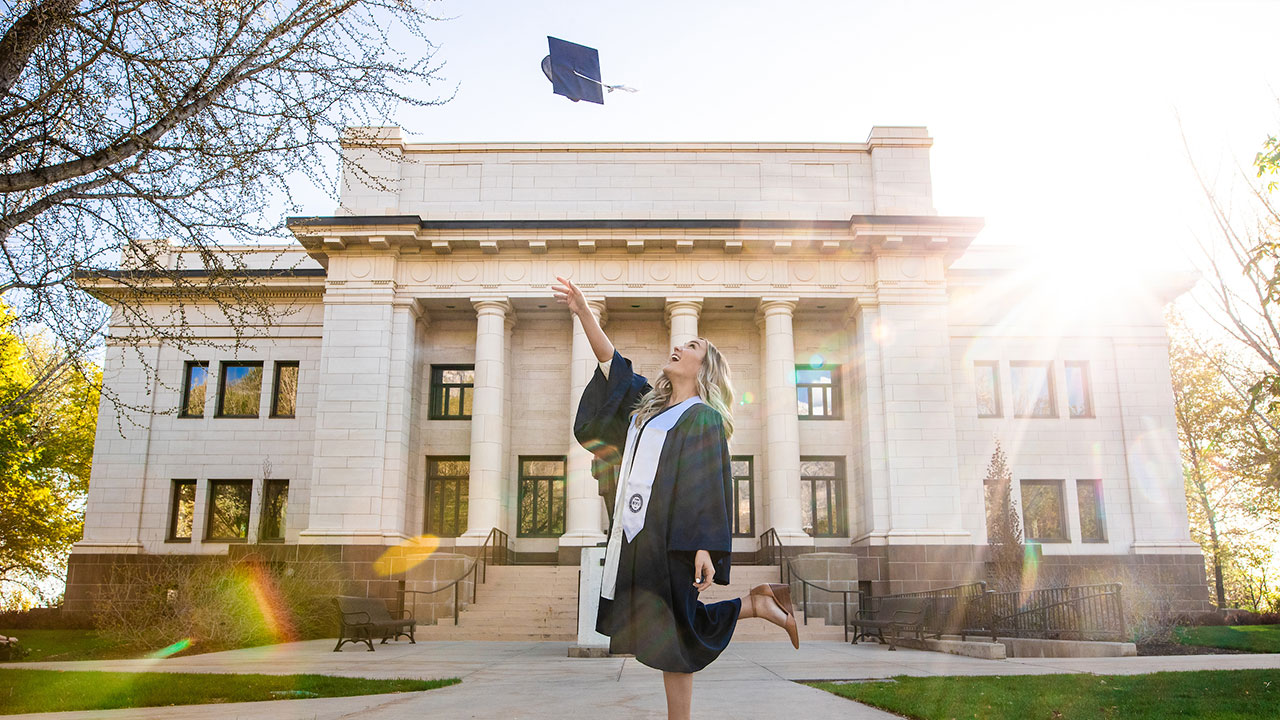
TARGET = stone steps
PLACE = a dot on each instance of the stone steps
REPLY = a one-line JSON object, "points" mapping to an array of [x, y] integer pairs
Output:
{"points": [[532, 603]]}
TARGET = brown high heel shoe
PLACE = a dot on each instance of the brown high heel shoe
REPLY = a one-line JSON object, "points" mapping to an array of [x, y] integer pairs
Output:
{"points": [[781, 594]]}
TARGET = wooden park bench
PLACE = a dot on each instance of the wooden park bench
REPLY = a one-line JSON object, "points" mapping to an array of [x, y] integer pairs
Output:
{"points": [[363, 618], [894, 614]]}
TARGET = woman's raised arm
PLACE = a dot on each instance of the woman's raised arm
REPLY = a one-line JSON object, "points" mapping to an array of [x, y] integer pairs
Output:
{"points": [[569, 294]]}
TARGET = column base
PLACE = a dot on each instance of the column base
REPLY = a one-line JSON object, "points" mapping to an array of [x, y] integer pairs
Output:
{"points": [[582, 539], [794, 538], [473, 538]]}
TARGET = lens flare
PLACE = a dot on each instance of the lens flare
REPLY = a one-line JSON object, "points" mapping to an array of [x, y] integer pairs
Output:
{"points": [[747, 398], [272, 607], [815, 360], [1030, 568], [173, 649], [408, 554]]}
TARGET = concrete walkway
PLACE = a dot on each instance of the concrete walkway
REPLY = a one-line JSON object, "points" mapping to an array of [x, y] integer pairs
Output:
{"points": [[538, 680]]}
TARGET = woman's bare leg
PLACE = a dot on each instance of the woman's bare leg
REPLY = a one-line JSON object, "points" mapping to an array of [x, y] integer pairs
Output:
{"points": [[679, 694], [762, 606]]}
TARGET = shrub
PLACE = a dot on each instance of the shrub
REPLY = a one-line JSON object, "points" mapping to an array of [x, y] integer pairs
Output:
{"points": [[216, 603]]}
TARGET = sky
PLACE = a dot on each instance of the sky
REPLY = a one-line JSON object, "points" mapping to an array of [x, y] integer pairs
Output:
{"points": [[1061, 124]]}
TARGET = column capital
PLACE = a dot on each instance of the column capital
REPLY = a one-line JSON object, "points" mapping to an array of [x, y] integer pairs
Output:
{"points": [[775, 306], [493, 305], [682, 306], [598, 309]]}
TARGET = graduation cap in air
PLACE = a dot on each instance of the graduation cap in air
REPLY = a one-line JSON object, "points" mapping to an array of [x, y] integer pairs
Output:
{"points": [[574, 71]]}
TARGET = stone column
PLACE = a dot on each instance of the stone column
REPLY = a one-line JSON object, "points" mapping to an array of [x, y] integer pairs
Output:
{"points": [[488, 434], [582, 522], [682, 318], [782, 425]]}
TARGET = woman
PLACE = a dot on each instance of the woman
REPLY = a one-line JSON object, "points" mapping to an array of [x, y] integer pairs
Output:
{"points": [[671, 524]]}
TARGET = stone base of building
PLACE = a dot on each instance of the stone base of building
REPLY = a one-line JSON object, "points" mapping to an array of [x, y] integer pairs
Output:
{"points": [[360, 570]]}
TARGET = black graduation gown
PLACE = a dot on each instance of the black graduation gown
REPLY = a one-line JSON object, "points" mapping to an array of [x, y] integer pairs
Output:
{"points": [[655, 613]]}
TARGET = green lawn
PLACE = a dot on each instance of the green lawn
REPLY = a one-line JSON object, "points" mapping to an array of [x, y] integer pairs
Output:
{"points": [[1254, 638], [1209, 694], [27, 691], [67, 645]]}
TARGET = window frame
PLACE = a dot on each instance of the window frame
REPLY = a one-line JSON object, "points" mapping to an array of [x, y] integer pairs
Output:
{"points": [[275, 389], [1102, 510], [1051, 387], [840, 482], [750, 479], [462, 482], [1083, 365], [837, 401], [186, 388], [1065, 523], [209, 508], [262, 510], [551, 482], [438, 409], [994, 365], [174, 496], [222, 388]]}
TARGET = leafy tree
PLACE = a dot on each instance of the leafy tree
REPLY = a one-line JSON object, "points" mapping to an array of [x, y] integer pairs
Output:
{"points": [[179, 120], [1227, 459], [1004, 527], [45, 453]]}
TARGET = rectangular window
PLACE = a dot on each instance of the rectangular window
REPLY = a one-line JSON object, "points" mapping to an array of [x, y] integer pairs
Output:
{"points": [[284, 391], [1079, 394], [228, 519], [744, 516], [447, 481], [822, 496], [452, 388], [986, 380], [274, 510], [818, 392], [182, 511], [1032, 390], [1044, 515], [1093, 519], [195, 380], [542, 496], [240, 389]]}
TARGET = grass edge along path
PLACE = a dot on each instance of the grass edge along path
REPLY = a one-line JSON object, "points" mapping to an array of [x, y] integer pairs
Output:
{"points": [[1216, 694], [1252, 638], [27, 691]]}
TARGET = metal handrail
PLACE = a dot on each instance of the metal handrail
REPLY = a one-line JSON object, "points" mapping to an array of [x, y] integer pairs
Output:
{"points": [[481, 560], [787, 575], [1087, 618]]}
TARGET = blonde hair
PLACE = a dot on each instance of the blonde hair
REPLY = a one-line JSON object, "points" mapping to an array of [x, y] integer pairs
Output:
{"points": [[715, 387]]}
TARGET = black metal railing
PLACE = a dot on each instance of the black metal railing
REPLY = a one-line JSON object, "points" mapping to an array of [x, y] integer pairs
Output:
{"points": [[496, 550], [773, 553], [1081, 612]]}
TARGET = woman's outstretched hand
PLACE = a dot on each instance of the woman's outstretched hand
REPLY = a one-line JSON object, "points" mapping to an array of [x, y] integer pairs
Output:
{"points": [[569, 294], [703, 570]]}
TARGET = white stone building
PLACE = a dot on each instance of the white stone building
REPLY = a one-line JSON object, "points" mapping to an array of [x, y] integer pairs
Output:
{"points": [[422, 380]]}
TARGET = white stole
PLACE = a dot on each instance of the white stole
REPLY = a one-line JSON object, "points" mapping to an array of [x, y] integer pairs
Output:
{"points": [[635, 483]]}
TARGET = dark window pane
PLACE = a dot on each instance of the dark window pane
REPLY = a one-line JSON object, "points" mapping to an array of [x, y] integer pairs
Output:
{"points": [[544, 468], [451, 389], [241, 390], [286, 393], [229, 510], [447, 485], [821, 496], [986, 381], [195, 384], [743, 520], [1093, 524], [1078, 396], [541, 497], [275, 507], [184, 510], [1042, 514]]}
